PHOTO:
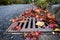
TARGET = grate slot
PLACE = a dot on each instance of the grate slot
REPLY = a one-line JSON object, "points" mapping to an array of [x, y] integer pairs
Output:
{"points": [[46, 24], [31, 23], [36, 25], [18, 23], [28, 19], [22, 25], [26, 25]]}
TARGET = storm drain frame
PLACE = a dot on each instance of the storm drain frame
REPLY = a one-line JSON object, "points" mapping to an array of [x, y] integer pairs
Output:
{"points": [[27, 26]]}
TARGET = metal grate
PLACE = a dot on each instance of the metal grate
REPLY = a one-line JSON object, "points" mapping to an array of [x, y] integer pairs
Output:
{"points": [[27, 26]]}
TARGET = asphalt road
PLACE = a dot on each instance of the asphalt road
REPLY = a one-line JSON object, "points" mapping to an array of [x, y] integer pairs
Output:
{"points": [[11, 11]]}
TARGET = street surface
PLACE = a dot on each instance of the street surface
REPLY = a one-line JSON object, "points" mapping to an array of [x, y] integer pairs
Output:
{"points": [[11, 11]]}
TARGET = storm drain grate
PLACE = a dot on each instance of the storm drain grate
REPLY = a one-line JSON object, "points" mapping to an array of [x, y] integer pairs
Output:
{"points": [[27, 26], [30, 23]]}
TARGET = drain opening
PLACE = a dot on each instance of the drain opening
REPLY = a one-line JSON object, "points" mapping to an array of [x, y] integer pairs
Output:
{"points": [[26, 25], [18, 23], [22, 25], [35, 23], [31, 23]]}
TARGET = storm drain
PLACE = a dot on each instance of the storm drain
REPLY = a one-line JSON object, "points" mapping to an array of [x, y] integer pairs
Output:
{"points": [[27, 26]]}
